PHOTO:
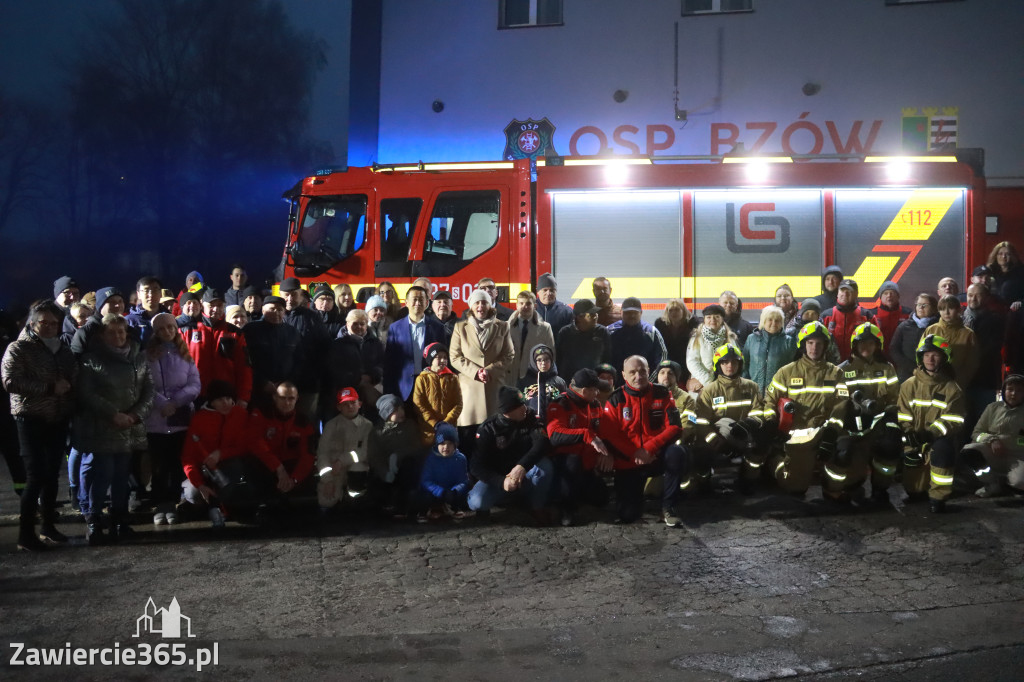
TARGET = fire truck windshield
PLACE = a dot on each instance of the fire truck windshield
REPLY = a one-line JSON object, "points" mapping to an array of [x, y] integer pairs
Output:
{"points": [[332, 229]]}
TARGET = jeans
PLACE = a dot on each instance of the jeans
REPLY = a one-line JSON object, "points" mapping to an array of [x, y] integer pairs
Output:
{"points": [[536, 487], [165, 458], [99, 472]]}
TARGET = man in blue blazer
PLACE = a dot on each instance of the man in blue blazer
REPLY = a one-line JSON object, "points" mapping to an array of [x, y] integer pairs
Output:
{"points": [[407, 337]]}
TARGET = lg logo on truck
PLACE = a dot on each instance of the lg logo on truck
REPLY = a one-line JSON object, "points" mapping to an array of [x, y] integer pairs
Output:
{"points": [[772, 240]]}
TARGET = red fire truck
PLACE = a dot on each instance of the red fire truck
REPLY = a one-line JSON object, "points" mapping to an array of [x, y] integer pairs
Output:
{"points": [[658, 229]]}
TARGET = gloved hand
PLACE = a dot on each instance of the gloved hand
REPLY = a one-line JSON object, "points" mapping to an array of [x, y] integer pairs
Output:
{"points": [[753, 424], [739, 431]]}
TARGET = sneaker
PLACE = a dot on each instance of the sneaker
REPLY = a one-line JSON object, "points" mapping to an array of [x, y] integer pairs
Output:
{"points": [[216, 517], [671, 518], [171, 518], [160, 519]]}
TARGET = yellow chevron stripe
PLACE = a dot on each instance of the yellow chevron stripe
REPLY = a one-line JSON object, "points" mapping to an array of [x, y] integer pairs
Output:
{"points": [[920, 215]]}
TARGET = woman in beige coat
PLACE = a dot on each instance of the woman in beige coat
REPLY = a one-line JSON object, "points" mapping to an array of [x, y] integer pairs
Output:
{"points": [[481, 350]]}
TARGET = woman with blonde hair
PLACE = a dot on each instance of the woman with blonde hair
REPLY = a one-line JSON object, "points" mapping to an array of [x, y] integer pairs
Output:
{"points": [[676, 325], [1007, 274], [344, 299], [768, 348], [387, 291]]}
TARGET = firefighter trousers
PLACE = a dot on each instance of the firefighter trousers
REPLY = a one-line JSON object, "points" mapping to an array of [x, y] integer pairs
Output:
{"points": [[928, 468], [796, 470]]}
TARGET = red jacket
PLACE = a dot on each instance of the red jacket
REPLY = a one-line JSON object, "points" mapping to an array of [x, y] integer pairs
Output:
{"points": [[231, 434], [887, 320], [220, 352], [841, 325], [645, 419], [572, 425], [288, 442]]}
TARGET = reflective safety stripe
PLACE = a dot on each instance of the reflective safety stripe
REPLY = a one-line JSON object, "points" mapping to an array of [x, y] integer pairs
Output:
{"points": [[940, 479], [813, 389], [710, 437], [733, 403], [837, 422], [703, 422], [325, 471], [929, 403], [685, 485], [835, 476], [778, 467], [882, 469], [859, 382], [952, 418], [982, 472], [939, 426], [778, 386], [904, 417], [892, 380], [753, 465]]}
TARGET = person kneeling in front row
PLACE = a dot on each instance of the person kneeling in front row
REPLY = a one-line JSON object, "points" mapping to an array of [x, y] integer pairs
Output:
{"points": [[511, 458]]}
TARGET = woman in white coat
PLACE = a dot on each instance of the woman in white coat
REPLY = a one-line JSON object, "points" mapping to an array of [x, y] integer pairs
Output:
{"points": [[481, 350]]}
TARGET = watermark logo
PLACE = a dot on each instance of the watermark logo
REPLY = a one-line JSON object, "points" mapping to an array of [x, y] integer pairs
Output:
{"points": [[169, 623], [166, 623]]}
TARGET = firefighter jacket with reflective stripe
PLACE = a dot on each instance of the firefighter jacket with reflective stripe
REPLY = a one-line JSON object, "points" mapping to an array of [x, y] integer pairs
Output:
{"points": [[817, 388], [687, 408], [876, 380], [634, 419], [732, 397], [963, 349], [931, 402]]}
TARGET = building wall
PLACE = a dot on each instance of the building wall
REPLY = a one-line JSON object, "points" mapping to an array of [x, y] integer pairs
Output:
{"points": [[741, 78]]}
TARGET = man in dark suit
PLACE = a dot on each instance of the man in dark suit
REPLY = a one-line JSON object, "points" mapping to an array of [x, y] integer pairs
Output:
{"points": [[407, 337]]}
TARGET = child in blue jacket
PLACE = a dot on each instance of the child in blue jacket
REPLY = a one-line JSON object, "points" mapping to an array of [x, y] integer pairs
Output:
{"points": [[445, 478]]}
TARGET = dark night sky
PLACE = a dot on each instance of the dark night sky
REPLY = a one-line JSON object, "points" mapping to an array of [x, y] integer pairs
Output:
{"points": [[36, 39]]}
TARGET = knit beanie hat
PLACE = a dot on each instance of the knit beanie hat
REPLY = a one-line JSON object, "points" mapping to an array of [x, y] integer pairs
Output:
{"points": [[103, 294], [432, 351], [810, 304], [387, 404], [446, 432], [375, 302], [480, 295], [546, 281], [509, 399], [62, 283]]}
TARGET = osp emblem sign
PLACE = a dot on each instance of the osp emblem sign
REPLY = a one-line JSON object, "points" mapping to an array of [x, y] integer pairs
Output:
{"points": [[529, 139]]}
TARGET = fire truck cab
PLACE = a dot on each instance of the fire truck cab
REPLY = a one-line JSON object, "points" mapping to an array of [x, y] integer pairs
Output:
{"points": [[657, 229]]}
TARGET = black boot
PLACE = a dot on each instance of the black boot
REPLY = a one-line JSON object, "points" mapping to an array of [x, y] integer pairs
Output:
{"points": [[27, 538], [49, 531], [94, 534], [120, 531]]}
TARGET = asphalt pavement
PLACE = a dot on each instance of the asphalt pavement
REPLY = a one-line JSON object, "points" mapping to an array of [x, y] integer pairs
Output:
{"points": [[752, 588]]}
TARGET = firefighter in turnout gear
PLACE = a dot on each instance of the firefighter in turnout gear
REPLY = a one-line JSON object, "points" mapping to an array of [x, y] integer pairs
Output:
{"points": [[809, 392], [869, 417], [931, 414], [731, 420]]}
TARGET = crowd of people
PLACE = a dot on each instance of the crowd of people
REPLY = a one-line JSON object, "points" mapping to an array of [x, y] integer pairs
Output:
{"points": [[242, 404]]}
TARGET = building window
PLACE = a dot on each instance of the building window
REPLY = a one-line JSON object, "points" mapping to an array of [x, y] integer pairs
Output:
{"points": [[525, 13], [693, 7]]}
